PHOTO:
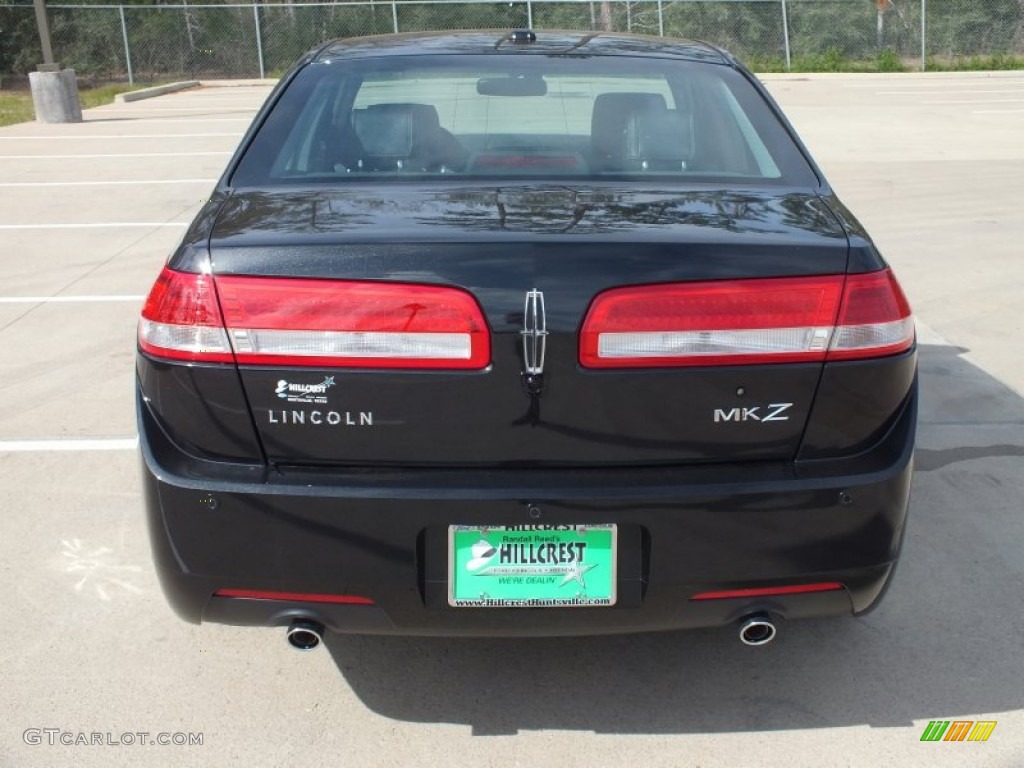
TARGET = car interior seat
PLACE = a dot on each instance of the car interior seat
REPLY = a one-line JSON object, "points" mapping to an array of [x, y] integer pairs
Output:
{"points": [[636, 132], [658, 141], [608, 123], [406, 137]]}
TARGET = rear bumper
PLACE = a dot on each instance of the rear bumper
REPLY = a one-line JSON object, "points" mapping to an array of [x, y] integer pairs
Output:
{"points": [[382, 535]]}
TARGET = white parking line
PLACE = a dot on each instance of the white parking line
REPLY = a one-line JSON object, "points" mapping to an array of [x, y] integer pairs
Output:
{"points": [[119, 136], [238, 99], [134, 154], [176, 120], [241, 102], [980, 83], [105, 225], [978, 101], [233, 95], [211, 108], [71, 299], [972, 91], [996, 111], [102, 183], [70, 444], [262, 89]]}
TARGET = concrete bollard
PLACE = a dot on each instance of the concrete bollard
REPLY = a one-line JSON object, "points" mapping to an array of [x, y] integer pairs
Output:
{"points": [[55, 96]]}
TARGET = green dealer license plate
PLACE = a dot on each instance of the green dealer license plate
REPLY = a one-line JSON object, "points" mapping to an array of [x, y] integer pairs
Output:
{"points": [[531, 566]]}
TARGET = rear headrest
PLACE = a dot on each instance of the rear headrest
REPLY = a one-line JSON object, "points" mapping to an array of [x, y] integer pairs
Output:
{"points": [[662, 139], [390, 130], [610, 116]]}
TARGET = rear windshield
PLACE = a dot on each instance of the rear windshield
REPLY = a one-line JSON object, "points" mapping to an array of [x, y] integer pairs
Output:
{"points": [[500, 116]]}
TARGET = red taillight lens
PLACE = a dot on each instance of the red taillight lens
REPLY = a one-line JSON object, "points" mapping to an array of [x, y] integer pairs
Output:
{"points": [[303, 322], [746, 322], [181, 320], [725, 322], [794, 589], [293, 597]]}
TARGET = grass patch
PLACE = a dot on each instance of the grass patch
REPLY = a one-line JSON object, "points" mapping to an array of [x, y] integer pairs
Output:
{"points": [[959, 63], [16, 106], [886, 61], [103, 94]]}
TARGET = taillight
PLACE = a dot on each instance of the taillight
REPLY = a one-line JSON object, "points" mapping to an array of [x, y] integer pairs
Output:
{"points": [[747, 322], [305, 322], [874, 319], [181, 320], [291, 321]]}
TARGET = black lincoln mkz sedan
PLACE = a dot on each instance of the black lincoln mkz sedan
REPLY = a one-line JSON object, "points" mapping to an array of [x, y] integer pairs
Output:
{"points": [[524, 334]]}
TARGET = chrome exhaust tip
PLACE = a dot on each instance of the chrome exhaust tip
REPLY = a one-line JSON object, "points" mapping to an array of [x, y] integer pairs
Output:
{"points": [[305, 635], [757, 630]]}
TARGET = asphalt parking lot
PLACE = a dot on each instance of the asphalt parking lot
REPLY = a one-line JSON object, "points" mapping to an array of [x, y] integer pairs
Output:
{"points": [[933, 166]]}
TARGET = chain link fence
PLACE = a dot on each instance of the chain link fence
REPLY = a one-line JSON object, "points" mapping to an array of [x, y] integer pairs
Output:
{"points": [[164, 42]]}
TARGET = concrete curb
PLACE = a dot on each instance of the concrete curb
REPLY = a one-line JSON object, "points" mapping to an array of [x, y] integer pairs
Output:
{"points": [[243, 83], [156, 90]]}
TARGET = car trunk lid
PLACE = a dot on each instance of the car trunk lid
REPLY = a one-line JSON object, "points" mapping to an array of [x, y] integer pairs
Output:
{"points": [[533, 259]]}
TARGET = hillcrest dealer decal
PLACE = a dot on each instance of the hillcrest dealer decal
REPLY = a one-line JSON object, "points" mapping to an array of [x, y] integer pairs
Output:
{"points": [[315, 393]]}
